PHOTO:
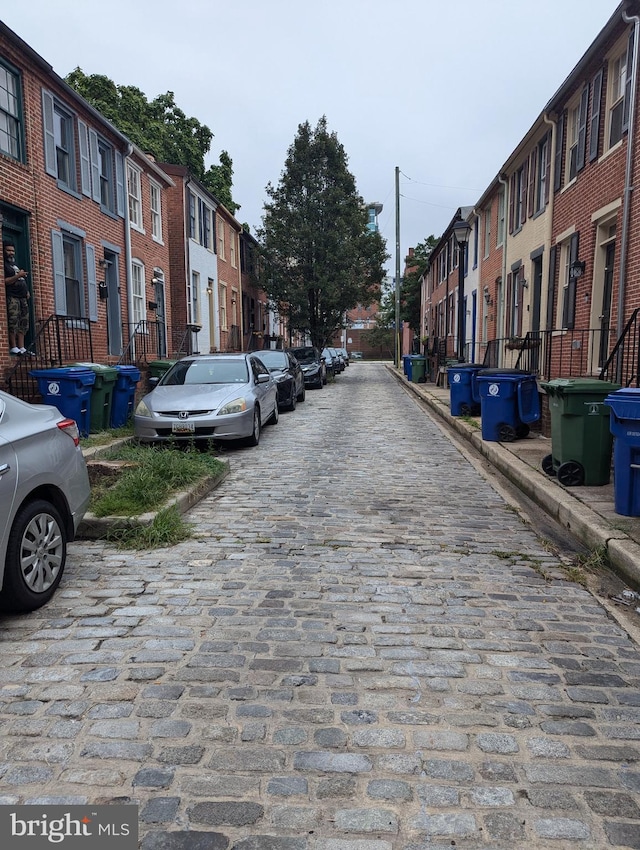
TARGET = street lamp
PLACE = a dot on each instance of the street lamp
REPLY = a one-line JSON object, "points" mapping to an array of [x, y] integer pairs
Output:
{"points": [[461, 232]]}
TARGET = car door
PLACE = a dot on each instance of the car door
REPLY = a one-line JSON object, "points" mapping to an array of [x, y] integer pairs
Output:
{"points": [[263, 392], [8, 485], [296, 370]]}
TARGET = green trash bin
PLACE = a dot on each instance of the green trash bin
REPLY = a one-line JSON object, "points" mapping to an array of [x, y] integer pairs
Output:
{"points": [[581, 440], [101, 396], [157, 368], [418, 369]]}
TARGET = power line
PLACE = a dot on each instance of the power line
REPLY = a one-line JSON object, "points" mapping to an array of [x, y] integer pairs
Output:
{"points": [[439, 186]]}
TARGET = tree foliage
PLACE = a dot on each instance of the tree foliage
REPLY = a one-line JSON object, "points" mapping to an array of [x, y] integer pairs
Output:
{"points": [[320, 258], [158, 127]]}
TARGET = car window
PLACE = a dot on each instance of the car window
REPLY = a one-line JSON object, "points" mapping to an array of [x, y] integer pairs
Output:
{"points": [[275, 359], [206, 372], [258, 367]]}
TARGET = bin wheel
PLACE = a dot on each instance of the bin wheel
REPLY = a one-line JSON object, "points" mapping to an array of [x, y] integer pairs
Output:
{"points": [[547, 465], [465, 410], [522, 430], [571, 473], [506, 432]]}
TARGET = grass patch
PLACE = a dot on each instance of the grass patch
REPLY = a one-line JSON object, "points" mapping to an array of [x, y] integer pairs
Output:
{"points": [[151, 476], [471, 421], [103, 438], [167, 529]]}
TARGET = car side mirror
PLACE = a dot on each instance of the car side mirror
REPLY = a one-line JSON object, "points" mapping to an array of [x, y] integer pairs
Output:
{"points": [[263, 378], [153, 383]]}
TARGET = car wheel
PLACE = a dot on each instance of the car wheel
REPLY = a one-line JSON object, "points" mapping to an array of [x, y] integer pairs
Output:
{"points": [[302, 395], [36, 555], [275, 416], [293, 400], [254, 439]]}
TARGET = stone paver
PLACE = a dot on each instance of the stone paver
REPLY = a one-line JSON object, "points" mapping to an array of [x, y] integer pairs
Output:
{"points": [[363, 648]]}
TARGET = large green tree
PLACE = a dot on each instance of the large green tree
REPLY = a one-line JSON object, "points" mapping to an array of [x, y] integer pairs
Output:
{"points": [[321, 260], [158, 127]]}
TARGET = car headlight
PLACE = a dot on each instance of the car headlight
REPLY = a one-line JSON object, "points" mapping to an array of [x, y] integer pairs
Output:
{"points": [[235, 406], [142, 409]]}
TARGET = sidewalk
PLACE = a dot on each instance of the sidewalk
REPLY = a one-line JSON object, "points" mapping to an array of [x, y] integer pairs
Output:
{"points": [[587, 512]]}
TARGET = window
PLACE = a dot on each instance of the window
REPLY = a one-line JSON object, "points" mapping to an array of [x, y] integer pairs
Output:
{"points": [[542, 175], [617, 89], [63, 137], [234, 307], [137, 292], [135, 196], [222, 294], [155, 205], [501, 217], [193, 305], [73, 276], [75, 284], [569, 256], [221, 253], [105, 168], [576, 131], [232, 250], [518, 198], [487, 232], [514, 302], [206, 226], [11, 128]]}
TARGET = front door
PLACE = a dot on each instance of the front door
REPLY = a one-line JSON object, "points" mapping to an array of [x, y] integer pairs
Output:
{"points": [[605, 316], [15, 229], [161, 318], [114, 312]]}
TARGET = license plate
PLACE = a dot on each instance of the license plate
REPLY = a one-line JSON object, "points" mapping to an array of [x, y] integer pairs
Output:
{"points": [[183, 427]]}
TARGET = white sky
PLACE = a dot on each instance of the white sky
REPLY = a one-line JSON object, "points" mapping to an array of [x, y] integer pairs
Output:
{"points": [[443, 90]]}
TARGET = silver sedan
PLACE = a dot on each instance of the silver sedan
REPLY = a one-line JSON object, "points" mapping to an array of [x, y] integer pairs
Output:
{"points": [[209, 397], [44, 493]]}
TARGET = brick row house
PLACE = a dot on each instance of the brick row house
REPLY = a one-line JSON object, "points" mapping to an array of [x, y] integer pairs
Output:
{"points": [[551, 278], [128, 260]]}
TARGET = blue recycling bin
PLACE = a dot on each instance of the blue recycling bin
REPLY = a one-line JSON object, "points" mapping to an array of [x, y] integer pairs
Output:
{"points": [[625, 427], [509, 404], [406, 365], [464, 391], [69, 389], [124, 395]]}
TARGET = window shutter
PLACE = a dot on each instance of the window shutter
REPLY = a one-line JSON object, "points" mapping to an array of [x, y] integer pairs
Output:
{"points": [[95, 165], [119, 184], [627, 85], [594, 130], [520, 285], [557, 177], [214, 226], [571, 288], [59, 285], [507, 318], [582, 127], [49, 136], [551, 285], [547, 171], [524, 177], [92, 284], [85, 173], [512, 201], [533, 171]]}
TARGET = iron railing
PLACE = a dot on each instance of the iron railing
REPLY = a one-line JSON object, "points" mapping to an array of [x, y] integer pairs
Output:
{"points": [[58, 341], [623, 364]]}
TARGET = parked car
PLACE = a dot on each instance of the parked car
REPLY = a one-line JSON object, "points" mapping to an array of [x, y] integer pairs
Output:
{"points": [[44, 493], [314, 368], [288, 375], [338, 358], [355, 355], [345, 355], [209, 397], [331, 362]]}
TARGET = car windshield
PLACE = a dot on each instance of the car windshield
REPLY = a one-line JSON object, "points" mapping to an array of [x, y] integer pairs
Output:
{"points": [[304, 355], [274, 359], [206, 372]]}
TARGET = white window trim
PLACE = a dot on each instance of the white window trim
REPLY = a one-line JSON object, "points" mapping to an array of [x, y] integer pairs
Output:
{"points": [[157, 213], [133, 169], [138, 306]]}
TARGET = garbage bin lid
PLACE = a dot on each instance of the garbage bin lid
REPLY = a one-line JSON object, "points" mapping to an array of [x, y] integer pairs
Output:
{"points": [[586, 386], [625, 394], [99, 368], [466, 366], [505, 372]]}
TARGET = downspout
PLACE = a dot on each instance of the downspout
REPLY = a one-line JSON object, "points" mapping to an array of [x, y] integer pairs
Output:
{"points": [[127, 247], [628, 188], [499, 310], [549, 222]]}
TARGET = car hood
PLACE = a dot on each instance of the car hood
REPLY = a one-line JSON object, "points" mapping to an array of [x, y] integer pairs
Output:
{"points": [[194, 396]]}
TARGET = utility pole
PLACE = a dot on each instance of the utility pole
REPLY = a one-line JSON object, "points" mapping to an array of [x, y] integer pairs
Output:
{"points": [[398, 348]]}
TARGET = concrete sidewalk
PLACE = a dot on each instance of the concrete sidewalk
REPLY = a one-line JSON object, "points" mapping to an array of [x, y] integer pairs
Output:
{"points": [[587, 512]]}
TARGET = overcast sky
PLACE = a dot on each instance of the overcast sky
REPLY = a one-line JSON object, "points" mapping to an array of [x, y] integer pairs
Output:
{"points": [[442, 90]]}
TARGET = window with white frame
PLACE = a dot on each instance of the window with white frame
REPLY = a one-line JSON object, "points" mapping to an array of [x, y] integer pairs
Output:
{"points": [[137, 292], [232, 250], [567, 289], [487, 232], [617, 101], [222, 306], [11, 118], [573, 119], [134, 191], [542, 175], [221, 251], [193, 305], [65, 150], [501, 218], [155, 206], [234, 307]]}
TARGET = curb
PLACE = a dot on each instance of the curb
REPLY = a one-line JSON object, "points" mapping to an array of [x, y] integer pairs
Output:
{"points": [[92, 527], [585, 524]]}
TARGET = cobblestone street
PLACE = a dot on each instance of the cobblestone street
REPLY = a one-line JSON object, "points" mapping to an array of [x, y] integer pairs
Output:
{"points": [[363, 648]]}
